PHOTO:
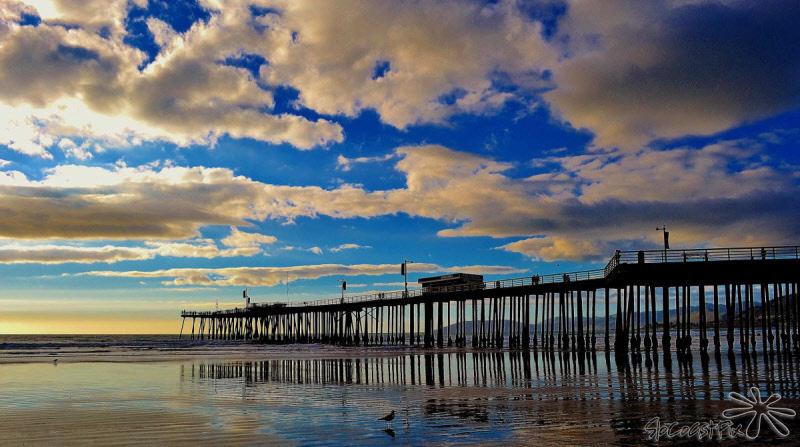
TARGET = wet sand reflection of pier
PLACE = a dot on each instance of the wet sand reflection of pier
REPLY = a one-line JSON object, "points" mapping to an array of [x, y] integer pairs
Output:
{"points": [[547, 374]]}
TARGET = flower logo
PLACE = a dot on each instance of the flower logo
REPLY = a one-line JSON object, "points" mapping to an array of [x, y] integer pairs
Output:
{"points": [[757, 410]]}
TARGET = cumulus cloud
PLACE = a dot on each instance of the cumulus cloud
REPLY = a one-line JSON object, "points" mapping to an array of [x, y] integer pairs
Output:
{"points": [[65, 79], [662, 69], [94, 15], [638, 71], [411, 62], [270, 276]]}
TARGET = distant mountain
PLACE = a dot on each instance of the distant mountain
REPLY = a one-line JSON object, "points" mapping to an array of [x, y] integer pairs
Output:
{"points": [[694, 318]]}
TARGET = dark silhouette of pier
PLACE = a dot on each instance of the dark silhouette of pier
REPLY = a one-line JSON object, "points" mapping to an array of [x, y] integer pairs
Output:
{"points": [[650, 298]]}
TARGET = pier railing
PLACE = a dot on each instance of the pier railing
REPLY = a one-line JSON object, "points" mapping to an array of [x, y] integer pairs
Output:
{"points": [[488, 285], [707, 254], [619, 257]]}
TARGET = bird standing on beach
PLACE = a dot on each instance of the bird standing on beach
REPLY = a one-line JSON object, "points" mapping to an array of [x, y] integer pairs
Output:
{"points": [[388, 418]]}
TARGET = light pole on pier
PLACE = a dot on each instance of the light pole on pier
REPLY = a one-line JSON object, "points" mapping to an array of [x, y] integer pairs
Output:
{"points": [[344, 287], [666, 239], [404, 272]]}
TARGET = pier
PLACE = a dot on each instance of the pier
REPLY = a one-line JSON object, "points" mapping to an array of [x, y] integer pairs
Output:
{"points": [[648, 299]]}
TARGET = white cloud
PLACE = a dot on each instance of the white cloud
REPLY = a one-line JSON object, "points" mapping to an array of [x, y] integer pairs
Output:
{"points": [[51, 253], [329, 52], [59, 254], [663, 69], [73, 150], [348, 246], [270, 276], [241, 239], [75, 82], [316, 250], [389, 284], [345, 164]]}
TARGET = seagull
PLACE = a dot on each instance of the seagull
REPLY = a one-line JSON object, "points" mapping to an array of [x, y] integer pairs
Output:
{"points": [[388, 418]]}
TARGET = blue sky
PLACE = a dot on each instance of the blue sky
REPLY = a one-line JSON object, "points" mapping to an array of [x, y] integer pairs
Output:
{"points": [[156, 156]]}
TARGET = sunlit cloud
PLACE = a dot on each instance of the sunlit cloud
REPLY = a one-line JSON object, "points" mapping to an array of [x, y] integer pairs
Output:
{"points": [[605, 197], [348, 246], [271, 276]]}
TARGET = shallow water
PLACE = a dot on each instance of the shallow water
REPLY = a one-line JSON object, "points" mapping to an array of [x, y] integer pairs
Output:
{"points": [[319, 395]]}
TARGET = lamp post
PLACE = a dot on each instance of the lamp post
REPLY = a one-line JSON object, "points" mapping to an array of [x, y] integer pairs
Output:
{"points": [[666, 239], [344, 287], [404, 272]]}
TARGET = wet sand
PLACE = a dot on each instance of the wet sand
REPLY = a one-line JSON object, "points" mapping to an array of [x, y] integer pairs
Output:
{"points": [[322, 395]]}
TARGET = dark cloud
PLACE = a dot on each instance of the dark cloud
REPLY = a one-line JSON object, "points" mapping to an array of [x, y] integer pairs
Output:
{"points": [[665, 71]]}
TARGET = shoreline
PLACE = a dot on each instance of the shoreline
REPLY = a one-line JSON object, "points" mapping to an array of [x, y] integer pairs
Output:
{"points": [[227, 352]]}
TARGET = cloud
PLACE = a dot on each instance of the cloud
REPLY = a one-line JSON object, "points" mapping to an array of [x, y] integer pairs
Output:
{"points": [[557, 247], [75, 82], [412, 63], [713, 194], [316, 250], [388, 284], [16, 253], [202, 248], [424, 63], [241, 239], [345, 164], [93, 15], [75, 151], [270, 276], [665, 69], [348, 246], [80, 202], [57, 254]]}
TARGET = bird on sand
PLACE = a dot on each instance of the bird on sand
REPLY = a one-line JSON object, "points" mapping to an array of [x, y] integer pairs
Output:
{"points": [[388, 418]]}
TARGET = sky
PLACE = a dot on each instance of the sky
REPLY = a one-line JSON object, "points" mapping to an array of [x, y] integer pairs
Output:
{"points": [[163, 155]]}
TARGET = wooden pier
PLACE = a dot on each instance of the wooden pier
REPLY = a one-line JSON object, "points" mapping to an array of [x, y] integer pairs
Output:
{"points": [[648, 299]]}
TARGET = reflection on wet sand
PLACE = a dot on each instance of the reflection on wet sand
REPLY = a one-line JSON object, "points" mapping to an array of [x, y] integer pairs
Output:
{"points": [[462, 397], [589, 375], [577, 398]]}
